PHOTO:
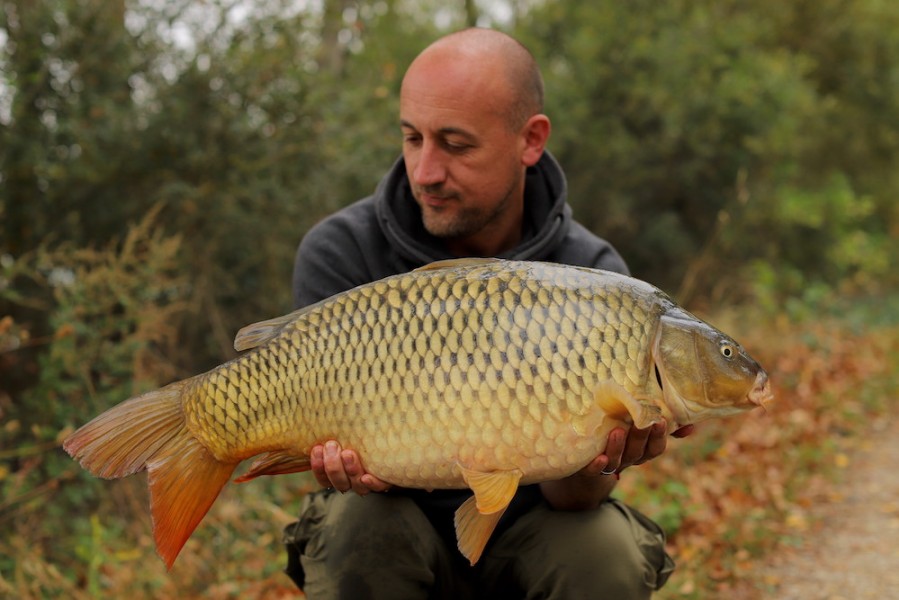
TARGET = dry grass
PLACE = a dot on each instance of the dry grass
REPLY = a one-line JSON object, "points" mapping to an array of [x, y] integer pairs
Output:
{"points": [[746, 484], [728, 494]]}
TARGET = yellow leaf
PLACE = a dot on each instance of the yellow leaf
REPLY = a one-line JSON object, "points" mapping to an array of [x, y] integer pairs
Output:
{"points": [[688, 587], [797, 520], [65, 330]]}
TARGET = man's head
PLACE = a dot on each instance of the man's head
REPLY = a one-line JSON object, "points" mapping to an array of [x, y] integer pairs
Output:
{"points": [[471, 115]]}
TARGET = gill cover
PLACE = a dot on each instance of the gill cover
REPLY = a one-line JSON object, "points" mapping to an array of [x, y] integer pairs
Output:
{"points": [[703, 372]]}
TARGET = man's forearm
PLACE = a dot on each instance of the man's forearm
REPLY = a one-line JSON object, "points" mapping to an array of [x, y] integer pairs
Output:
{"points": [[579, 491]]}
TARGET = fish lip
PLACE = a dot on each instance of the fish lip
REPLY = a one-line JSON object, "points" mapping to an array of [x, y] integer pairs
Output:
{"points": [[761, 394]]}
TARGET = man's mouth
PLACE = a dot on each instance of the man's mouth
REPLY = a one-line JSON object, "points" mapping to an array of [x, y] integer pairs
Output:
{"points": [[434, 200]]}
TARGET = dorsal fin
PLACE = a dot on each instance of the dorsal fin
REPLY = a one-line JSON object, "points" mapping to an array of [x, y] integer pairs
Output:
{"points": [[450, 263], [259, 333]]}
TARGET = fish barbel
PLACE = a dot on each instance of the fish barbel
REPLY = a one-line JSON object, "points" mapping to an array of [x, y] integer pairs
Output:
{"points": [[472, 373]]}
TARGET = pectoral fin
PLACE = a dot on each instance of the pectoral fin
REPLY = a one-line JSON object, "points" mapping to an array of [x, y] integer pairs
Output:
{"points": [[473, 529], [493, 491], [477, 518], [275, 463], [617, 403]]}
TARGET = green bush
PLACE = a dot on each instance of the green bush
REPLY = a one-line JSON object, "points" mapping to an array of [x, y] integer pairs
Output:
{"points": [[114, 318]]}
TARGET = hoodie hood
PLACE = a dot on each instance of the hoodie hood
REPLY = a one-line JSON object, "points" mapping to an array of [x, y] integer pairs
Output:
{"points": [[547, 216]]}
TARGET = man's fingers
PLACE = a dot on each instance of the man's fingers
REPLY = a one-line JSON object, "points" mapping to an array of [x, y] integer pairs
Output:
{"points": [[351, 464], [656, 442], [354, 471], [363, 482], [598, 466], [684, 431], [615, 445], [635, 447], [374, 484], [334, 468], [317, 463]]}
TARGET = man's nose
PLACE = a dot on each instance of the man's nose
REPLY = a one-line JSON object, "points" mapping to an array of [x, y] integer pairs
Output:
{"points": [[430, 168]]}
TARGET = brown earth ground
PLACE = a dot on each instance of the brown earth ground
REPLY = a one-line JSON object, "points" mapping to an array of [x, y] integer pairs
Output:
{"points": [[849, 547]]}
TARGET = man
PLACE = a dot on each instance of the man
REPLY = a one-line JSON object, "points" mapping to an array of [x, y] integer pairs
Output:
{"points": [[473, 180]]}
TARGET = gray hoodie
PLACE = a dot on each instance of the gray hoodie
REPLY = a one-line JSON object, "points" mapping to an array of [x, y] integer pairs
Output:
{"points": [[383, 235]]}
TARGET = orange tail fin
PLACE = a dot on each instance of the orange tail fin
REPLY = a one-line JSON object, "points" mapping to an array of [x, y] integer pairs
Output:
{"points": [[149, 433]]}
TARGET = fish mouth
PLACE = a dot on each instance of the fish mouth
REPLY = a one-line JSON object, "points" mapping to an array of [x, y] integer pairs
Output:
{"points": [[761, 394]]}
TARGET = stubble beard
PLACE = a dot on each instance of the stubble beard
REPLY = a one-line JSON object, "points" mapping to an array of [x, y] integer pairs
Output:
{"points": [[454, 224], [457, 221]]}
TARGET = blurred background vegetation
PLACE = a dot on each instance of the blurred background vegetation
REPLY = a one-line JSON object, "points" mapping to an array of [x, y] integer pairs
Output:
{"points": [[160, 160]]}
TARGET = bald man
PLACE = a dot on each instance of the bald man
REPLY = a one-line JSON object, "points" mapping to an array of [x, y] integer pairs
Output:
{"points": [[474, 179]]}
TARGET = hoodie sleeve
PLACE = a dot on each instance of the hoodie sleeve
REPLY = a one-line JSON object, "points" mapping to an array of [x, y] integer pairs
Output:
{"points": [[331, 257], [345, 250], [321, 268], [584, 249]]}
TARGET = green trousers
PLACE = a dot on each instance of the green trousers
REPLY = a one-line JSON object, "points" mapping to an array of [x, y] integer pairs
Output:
{"points": [[381, 546]]}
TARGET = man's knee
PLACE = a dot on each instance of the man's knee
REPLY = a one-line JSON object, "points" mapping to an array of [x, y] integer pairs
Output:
{"points": [[365, 528], [376, 546], [567, 554]]}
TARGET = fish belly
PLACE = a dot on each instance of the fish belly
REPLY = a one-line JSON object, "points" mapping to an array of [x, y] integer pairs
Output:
{"points": [[430, 371]]}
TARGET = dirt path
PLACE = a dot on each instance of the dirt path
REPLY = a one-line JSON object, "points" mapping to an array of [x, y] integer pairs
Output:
{"points": [[853, 552]]}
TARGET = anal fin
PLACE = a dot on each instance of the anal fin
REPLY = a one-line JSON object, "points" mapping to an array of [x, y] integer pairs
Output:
{"points": [[275, 463]]}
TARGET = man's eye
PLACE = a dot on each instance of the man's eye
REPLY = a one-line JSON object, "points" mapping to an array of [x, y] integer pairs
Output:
{"points": [[457, 147]]}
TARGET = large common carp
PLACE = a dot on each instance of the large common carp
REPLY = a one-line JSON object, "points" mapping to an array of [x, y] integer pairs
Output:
{"points": [[476, 373]]}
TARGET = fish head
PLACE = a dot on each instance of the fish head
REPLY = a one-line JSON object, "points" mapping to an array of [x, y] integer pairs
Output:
{"points": [[704, 373]]}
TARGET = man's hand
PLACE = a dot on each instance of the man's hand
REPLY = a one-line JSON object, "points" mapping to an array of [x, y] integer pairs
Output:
{"points": [[342, 470], [634, 447], [591, 485]]}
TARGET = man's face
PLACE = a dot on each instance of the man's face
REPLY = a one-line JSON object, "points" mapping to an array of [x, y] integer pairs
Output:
{"points": [[462, 158]]}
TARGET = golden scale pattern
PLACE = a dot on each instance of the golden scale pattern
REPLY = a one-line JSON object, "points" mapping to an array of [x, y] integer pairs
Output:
{"points": [[410, 368]]}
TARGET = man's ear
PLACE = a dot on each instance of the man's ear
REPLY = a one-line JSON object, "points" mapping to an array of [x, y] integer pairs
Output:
{"points": [[534, 135]]}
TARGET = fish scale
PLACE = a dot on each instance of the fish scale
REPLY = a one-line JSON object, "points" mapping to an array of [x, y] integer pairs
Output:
{"points": [[473, 373], [464, 360]]}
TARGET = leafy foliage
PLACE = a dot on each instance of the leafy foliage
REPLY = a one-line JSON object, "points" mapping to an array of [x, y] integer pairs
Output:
{"points": [[113, 333], [159, 163], [740, 487], [693, 132]]}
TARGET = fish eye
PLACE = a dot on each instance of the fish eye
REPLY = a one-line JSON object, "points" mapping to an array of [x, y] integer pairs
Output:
{"points": [[727, 351]]}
